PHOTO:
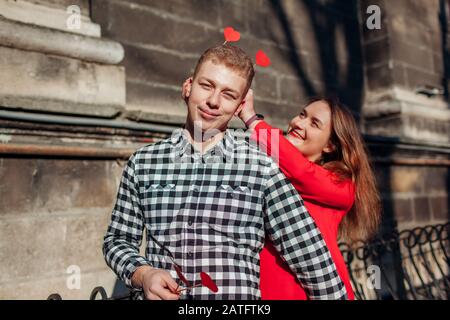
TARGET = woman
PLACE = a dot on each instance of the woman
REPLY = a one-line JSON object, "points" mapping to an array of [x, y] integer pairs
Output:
{"points": [[323, 156]]}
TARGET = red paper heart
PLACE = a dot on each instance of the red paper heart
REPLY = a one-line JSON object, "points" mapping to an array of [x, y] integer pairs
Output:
{"points": [[208, 282], [262, 59], [231, 35]]}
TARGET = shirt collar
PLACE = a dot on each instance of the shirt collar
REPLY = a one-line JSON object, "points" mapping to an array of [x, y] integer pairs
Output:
{"points": [[182, 146]]}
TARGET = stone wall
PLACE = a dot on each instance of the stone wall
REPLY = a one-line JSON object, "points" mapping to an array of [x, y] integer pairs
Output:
{"points": [[70, 113], [57, 187], [407, 50], [401, 58], [414, 189], [51, 220]]}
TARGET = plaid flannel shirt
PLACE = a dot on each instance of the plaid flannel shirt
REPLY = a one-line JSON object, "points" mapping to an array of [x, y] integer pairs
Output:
{"points": [[212, 211]]}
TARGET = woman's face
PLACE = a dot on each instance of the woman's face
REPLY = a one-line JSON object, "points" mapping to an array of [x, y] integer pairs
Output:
{"points": [[310, 131]]}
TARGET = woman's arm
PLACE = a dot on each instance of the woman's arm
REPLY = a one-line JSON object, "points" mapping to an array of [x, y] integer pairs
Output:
{"points": [[313, 182]]}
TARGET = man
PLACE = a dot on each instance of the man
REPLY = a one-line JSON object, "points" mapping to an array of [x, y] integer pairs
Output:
{"points": [[207, 202]]}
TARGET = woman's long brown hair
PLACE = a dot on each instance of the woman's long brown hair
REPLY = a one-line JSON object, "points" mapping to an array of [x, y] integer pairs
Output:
{"points": [[350, 160]]}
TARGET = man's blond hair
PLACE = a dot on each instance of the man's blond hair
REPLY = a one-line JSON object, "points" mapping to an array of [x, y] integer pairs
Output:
{"points": [[232, 57]]}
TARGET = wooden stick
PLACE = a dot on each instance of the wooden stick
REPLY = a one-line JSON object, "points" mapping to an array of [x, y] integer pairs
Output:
{"points": [[185, 288]]}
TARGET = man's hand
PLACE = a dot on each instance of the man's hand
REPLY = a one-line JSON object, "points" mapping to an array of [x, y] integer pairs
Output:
{"points": [[157, 284]]}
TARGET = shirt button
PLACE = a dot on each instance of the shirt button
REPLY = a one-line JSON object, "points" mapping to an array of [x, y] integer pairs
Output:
{"points": [[195, 190], [190, 254], [189, 222]]}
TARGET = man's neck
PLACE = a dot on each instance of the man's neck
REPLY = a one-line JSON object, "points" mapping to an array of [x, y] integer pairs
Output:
{"points": [[200, 141]]}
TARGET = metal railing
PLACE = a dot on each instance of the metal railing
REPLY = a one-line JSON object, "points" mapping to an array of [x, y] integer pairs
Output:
{"points": [[408, 265]]}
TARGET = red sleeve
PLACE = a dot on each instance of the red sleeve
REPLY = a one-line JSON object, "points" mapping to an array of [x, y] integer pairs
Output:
{"points": [[312, 181]]}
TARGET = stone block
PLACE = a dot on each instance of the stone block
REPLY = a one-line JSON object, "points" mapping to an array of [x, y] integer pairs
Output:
{"points": [[398, 209], [41, 288], [153, 66], [198, 10], [165, 104], [416, 77], [293, 91], [422, 210], [407, 179], [411, 54], [36, 81], [436, 179], [439, 207], [236, 14], [133, 24], [377, 51], [265, 85], [63, 4], [379, 77], [45, 246], [44, 186]]}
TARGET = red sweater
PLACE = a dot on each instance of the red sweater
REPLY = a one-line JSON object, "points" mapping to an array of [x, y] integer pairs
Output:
{"points": [[326, 200]]}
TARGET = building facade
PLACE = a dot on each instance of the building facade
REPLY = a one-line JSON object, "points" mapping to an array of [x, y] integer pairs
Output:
{"points": [[84, 83]]}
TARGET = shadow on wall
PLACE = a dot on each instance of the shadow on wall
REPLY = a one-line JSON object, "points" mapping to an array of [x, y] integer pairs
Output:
{"points": [[444, 10], [326, 18]]}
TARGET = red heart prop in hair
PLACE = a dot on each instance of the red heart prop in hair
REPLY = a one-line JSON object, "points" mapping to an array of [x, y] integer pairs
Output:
{"points": [[208, 282], [231, 35], [261, 59]]}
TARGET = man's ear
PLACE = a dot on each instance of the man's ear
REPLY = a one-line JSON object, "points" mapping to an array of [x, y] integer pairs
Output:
{"points": [[186, 88], [239, 108]]}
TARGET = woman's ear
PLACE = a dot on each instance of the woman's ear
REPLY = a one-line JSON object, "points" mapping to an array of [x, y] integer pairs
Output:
{"points": [[329, 148]]}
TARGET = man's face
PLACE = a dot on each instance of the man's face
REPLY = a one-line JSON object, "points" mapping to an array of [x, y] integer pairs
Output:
{"points": [[214, 96]]}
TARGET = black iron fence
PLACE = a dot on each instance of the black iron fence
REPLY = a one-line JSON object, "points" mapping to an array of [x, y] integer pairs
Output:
{"points": [[407, 265]]}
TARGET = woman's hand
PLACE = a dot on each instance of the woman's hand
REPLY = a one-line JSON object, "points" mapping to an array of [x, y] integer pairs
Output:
{"points": [[248, 110]]}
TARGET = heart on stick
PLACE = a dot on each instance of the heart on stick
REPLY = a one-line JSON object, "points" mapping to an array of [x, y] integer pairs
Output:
{"points": [[208, 282], [262, 59], [231, 35]]}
